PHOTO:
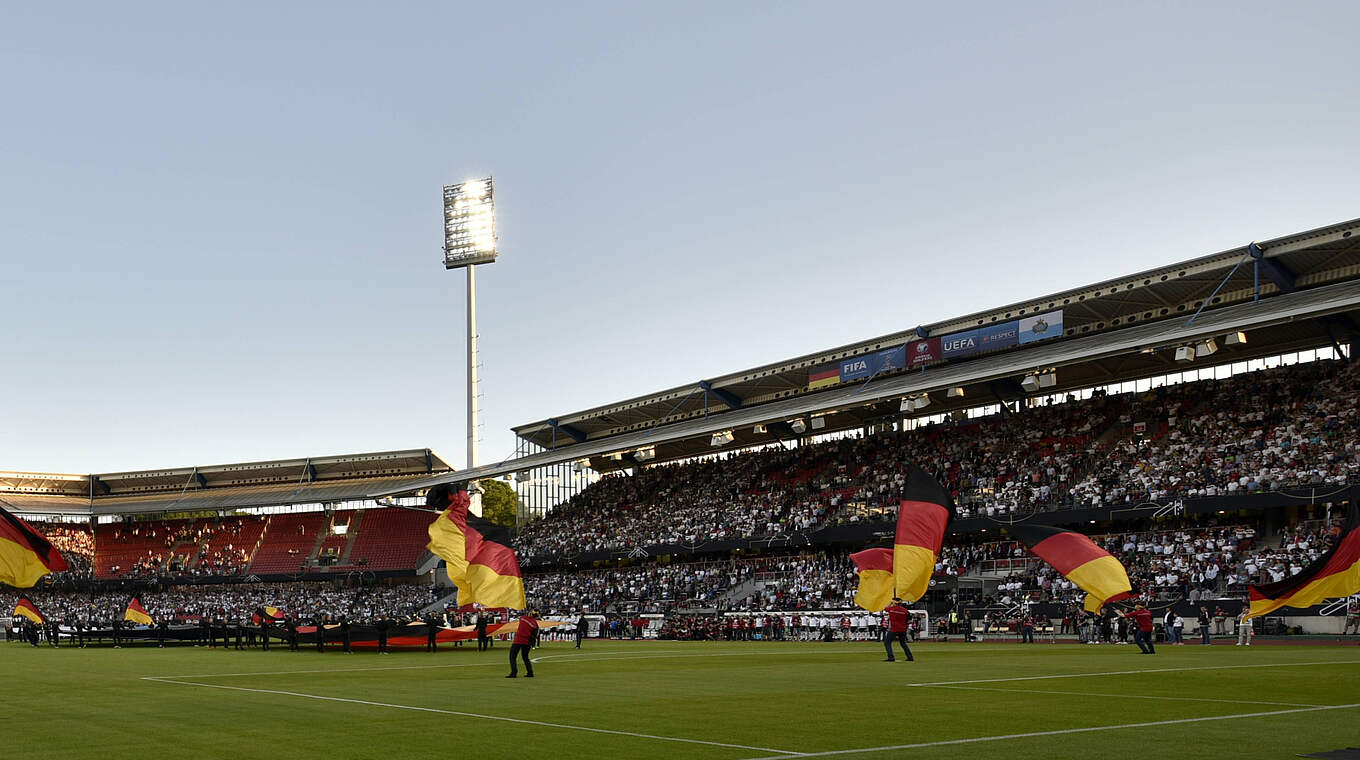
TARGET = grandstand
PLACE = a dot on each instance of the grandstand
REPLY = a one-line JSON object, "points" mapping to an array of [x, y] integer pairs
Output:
{"points": [[275, 519], [1217, 392]]}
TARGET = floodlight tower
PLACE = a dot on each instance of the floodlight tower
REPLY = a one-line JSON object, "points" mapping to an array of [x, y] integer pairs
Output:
{"points": [[470, 239]]}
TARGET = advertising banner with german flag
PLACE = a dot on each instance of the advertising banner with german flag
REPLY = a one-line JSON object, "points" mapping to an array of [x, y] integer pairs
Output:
{"points": [[1333, 575], [1077, 557], [28, 609], [25, 555], [824, 377], [477, 552], [136, 613], [875, 568], [922, 517]]}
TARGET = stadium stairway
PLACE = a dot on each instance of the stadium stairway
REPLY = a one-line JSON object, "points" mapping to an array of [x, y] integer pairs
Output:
{"points": [[439, 605], [756, 582]]}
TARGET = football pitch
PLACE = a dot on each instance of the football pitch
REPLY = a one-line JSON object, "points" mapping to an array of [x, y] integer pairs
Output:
{"points": [[725, 701]]}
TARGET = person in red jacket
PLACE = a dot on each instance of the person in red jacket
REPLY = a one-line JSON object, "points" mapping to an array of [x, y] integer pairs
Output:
{"points": [[1142, 629], [898, 617], [525, 635]]}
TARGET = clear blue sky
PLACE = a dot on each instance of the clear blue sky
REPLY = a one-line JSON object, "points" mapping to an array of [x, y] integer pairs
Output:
{"points": [[221, 232]]}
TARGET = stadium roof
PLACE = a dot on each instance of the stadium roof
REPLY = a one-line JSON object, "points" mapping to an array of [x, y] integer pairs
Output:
{"points": [[280, 482], [1118, 329]]}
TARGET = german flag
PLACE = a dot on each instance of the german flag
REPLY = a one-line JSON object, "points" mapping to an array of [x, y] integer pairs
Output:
{"points": [[136, 613], [875, 568], [824, 378], [1334, 574], [25, 556], [28, 609], [1078, 558], [477, 552], [272, 614], [921, 520]]}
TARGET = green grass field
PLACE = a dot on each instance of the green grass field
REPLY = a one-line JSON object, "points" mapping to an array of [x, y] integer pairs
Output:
{"points": [[684, 700]]}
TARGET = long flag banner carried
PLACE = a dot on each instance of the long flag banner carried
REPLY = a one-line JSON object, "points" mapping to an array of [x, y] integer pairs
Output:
{"points": [[25, 555], [1077, 557], [26, 608], [875, 568], [921, 521], [476, 552], [136, 613], [1334, 574]]}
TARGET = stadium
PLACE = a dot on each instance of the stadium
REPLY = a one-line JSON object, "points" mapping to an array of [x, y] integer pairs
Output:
{"points": [[1197, 421], [866, 380]]}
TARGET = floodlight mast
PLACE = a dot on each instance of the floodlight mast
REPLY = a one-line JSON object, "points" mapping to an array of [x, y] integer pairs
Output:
{"points": [[470, 239]]}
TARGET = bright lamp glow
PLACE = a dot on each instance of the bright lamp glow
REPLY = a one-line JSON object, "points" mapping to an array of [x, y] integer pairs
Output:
{"points": [[469, 223]]}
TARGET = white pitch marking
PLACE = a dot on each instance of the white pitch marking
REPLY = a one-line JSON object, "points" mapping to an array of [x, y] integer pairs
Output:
{"points": [[780, 753], [323, 670], [1131, 696], [1058, 732], [1134, 672]]}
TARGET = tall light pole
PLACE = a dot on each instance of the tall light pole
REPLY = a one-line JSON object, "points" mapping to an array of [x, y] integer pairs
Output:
{"points": [[470, 239]]}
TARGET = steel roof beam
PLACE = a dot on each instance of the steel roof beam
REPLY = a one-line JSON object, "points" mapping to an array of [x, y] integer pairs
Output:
{"points": [[724, 396], [568, 430]]}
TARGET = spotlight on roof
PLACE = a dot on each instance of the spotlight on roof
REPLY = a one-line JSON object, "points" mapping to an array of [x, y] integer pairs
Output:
{"points": [[1048, 379], [818, 423], [798, 425], [580, 465], [956, 392], [721, 438], [1030, 383], [1206, 347], [1185, 353], [645, 454], [760, 430], [915, 402], [1235, 338]]}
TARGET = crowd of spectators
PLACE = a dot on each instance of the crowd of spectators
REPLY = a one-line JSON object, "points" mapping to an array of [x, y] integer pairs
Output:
{"points": [[1296, 425], [76, 544], [302, 601]]}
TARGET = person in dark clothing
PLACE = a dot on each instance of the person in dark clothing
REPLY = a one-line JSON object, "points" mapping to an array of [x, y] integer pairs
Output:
{"points": [[382, 626], [1204, 625], [898, 619], [344, 634], [432, 633], [320, 634], [483, 640], [264, 633], [161, 628], [290, 628], [525, 636], [581, 626], [117, 633]]}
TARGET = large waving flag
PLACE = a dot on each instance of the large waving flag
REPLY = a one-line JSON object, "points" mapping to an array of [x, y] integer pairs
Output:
{"points": [[25, 556], [1077, 557], [136, 613], [28, 609], [1334, 574], [921, 520], [477, 552], [875, 568]]}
